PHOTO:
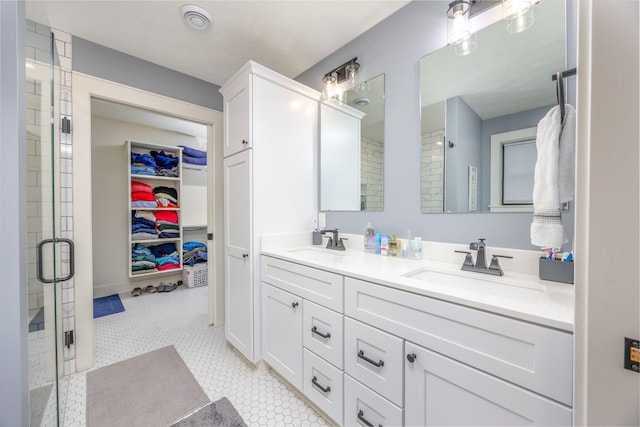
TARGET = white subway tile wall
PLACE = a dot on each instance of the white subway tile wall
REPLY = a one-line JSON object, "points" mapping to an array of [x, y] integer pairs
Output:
{"points": [[432, 172], [372, 175]]}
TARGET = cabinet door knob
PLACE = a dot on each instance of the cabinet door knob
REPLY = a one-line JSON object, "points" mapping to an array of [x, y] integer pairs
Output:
{"points": [[412, 357], [245, 256], [294, 304], [245, 142]]}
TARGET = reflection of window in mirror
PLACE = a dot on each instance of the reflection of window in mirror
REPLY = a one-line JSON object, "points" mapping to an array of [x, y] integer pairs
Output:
{"points": [[513, 160]]}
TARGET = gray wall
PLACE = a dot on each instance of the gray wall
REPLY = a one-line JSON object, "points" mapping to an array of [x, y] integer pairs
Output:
{"points": [[508, 123], [14, 390], [463, 129], [100, 61], [394, 47]]}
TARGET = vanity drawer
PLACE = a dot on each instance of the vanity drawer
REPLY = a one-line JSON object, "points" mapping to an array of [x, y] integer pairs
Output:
{"points": [[374, 358], [319, 286], [323, 385], [322, 332], [535, 357], [362, 403]]}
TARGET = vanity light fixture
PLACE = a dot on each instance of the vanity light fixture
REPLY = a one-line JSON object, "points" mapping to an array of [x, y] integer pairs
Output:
{"points": [[196, 17], [339, 75], [518, 14], [458, 21]]}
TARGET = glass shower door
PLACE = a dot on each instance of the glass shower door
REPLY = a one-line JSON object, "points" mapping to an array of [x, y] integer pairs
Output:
{"points": [[46, 271]]}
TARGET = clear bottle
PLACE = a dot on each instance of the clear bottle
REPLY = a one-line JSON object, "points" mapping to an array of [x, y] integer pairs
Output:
{"points": [[407, 250], [418, 248], [369, 239]]}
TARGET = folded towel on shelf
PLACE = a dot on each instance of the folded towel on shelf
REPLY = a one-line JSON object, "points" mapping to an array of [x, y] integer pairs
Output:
{"points": [[192, 152], [200, 161], [555, 143]]}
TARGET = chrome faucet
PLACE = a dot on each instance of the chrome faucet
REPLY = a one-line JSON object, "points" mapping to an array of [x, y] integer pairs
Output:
{"points": [[334, 242], [480, 265]]}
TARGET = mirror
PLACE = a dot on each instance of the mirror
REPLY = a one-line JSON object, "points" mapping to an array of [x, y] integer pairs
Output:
{"points": [[352, 149], [499, 93]]}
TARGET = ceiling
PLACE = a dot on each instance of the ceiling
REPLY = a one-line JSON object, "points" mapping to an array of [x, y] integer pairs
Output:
{"points": [[286, 36]]}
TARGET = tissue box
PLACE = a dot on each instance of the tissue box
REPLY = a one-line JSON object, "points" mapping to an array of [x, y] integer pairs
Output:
{"points": [[555, 270]]}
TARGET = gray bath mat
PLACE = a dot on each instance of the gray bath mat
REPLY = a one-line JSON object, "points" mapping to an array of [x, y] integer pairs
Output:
{"points": [[218, 413], [153, 389]]}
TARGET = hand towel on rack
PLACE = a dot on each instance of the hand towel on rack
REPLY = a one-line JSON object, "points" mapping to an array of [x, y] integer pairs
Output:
{"points": [[553, 176]]}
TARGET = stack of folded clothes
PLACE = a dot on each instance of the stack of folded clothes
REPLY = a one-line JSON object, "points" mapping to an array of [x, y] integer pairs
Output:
{"points": [[167, 257], [142, 260], [142, 195], [143, 225], [167, 224], [194, 253], [193, 156], [142, 164], [166, 164], [166, 197]]}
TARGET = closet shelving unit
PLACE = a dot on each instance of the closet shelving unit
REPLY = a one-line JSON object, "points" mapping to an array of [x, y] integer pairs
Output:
{"points": [[154, 181]]}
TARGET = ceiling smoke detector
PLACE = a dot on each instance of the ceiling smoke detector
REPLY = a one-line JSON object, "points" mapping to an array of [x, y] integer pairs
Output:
{"points": [[361, 102], [196, 17]]}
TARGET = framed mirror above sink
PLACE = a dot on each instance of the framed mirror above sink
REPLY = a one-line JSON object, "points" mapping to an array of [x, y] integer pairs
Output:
{"points": [[479, 114], [352, 149]]}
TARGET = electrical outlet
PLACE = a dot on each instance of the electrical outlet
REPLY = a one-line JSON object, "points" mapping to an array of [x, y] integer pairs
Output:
{"points": [[632, 354]]}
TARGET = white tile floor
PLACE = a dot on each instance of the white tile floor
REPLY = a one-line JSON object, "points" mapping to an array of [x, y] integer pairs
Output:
{"points": [[152, 321]]}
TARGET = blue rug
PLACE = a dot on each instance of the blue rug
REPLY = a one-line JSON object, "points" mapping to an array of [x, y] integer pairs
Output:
{"points": [[105, 306]]}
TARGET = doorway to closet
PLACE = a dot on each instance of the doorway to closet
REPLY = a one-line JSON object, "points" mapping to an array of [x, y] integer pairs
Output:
{"points": [[178, 221], [107, 115]]}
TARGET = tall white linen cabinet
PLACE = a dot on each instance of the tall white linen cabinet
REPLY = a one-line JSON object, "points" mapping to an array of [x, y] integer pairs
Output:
{"points": [[270, 184]]}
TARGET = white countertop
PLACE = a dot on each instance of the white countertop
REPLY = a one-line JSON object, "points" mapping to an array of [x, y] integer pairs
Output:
{"points": [[517, 295]]}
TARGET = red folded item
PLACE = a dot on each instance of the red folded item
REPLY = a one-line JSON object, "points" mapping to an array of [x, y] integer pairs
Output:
{"points": [[167, 266], [140, 195], [170, 216], [140, 187]]}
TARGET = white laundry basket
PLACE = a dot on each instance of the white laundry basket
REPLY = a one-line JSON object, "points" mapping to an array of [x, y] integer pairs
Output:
{"points": [[194, 276]]}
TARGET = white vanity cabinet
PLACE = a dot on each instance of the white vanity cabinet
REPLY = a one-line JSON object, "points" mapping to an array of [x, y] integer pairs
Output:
{"points": [[440, 391], [282, 337], [270, 152], [302, 337], [468, 367]]}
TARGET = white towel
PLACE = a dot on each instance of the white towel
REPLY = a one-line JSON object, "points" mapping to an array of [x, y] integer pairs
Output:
{"points": [[553, 177]]}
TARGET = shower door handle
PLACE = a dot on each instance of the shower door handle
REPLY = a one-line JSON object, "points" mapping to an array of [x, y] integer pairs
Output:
{"points": [[40, 271]]}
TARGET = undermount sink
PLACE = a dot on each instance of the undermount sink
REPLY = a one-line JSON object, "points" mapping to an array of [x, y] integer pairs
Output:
{"points": [[317, 254], [479, 284]]}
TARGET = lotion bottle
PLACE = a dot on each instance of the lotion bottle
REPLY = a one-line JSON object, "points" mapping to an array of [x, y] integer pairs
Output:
{"points": [[384, 245]]}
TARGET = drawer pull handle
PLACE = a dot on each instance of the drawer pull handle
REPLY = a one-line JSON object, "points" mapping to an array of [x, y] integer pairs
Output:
{"points": [[245, 142], [314, 381], [315, 331], [364, 420], [373, 362], [294, 304], [412, 357], [245, 256]]}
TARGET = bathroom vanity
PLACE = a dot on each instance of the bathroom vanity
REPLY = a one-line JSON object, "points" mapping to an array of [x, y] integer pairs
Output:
{"points": [[375, 340]]}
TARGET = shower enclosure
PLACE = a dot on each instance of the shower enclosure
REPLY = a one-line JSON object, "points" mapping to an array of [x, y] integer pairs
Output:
{"points": [[49, 257]]}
